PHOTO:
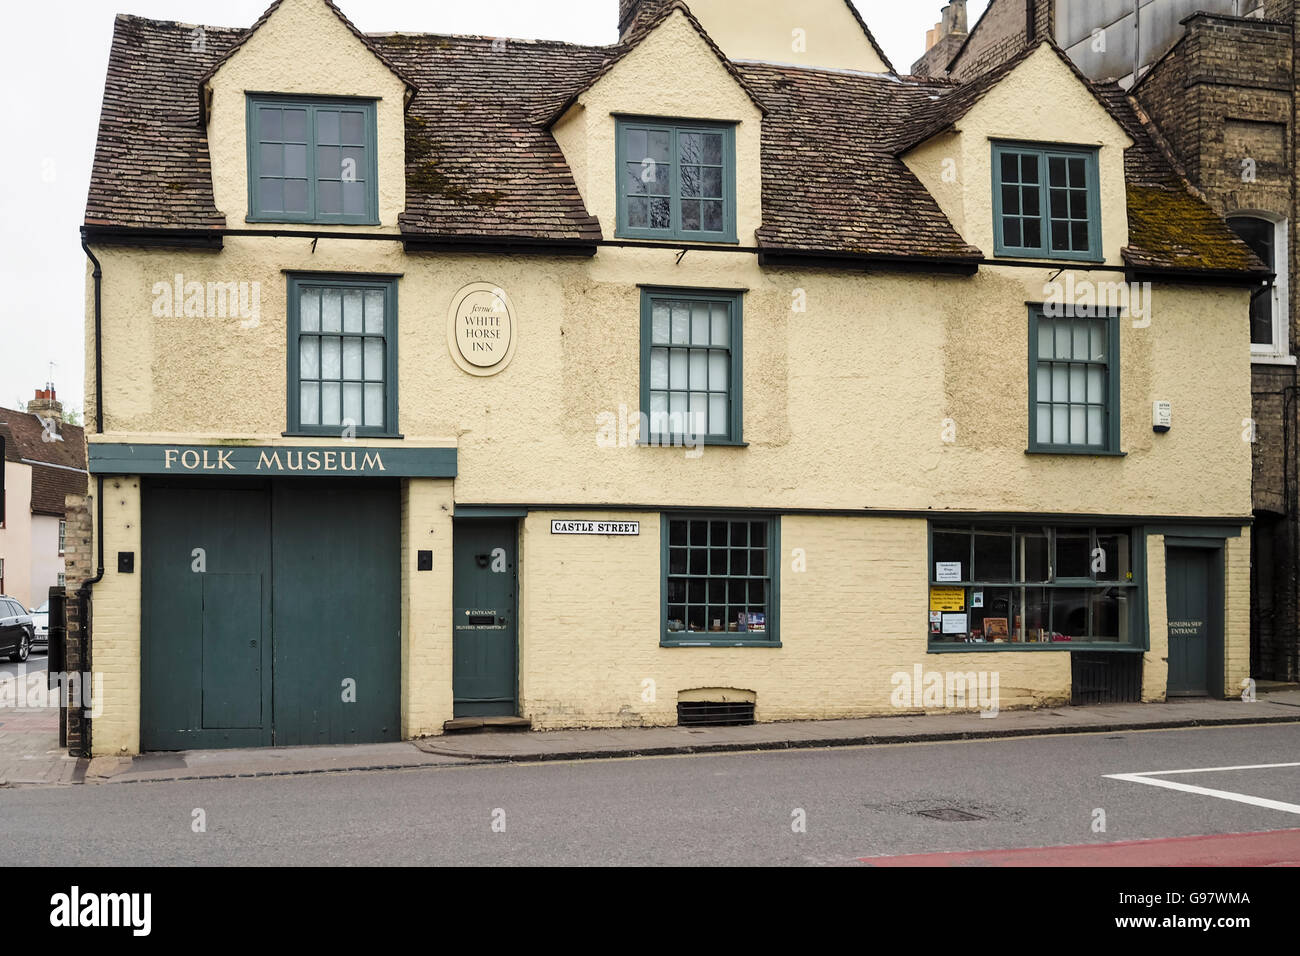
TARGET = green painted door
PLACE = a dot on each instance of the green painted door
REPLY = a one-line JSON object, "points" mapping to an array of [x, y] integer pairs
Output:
{"points": [[232, 650], [338, 645], [270, 613], [484, 628], [205, 655], [1191, 589]]}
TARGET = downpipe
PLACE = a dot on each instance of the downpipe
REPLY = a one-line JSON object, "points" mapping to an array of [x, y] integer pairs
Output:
{"points": [[84, 602]]}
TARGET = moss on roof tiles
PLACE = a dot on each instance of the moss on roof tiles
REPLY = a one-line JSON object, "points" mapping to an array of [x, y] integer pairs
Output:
{"points": [[1168, 225], [424, 169]]}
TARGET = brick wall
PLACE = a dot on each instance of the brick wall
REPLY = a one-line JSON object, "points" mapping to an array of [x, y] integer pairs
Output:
{"points": [[1000, 34], [936, 59], [1224, 95], [79, 558]]}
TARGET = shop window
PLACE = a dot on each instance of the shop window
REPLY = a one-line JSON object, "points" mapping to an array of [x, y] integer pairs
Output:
{"points": [[676, 181], [1046, 202], [1073, 383], [690, 367], [312, 160], [342, 356], [720, 580], [1267, 238], [1019, 586]]}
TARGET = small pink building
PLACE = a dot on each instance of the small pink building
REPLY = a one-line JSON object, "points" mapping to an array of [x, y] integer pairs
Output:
{"points": [[44, 462]]}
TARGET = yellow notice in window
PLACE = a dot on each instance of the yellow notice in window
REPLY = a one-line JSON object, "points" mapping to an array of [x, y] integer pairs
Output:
{"points": [[947, 599]]}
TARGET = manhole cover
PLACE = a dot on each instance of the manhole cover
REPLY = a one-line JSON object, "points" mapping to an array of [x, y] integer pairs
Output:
{"points": [[949, 815]]}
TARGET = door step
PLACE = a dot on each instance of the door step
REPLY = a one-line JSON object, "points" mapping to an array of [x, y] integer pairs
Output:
{"points": [[469, 724]]}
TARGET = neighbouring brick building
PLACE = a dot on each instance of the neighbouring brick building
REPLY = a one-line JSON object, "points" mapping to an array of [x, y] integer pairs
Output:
{"points": [[1218, 80]]}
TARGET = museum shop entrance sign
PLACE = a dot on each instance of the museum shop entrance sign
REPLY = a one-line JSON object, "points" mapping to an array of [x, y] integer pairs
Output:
{"points": [[271, 461]]}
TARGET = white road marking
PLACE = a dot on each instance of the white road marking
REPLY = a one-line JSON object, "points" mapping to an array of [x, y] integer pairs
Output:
{"points": [[1149, 776]]}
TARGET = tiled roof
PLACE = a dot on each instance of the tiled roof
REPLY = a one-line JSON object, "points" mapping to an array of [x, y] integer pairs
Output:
{"points": [[1169, 225], [481, 163], [58, 466], [477, 161], [151, 166], [830, 180]]}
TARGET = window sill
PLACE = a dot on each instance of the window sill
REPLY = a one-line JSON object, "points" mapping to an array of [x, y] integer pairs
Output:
{"points": [[263, 221], [385, 436], [1047, 646], [680, 443], [1049, 259], [1077, 452], [719, 642], [653, 241], [1261, 358]]}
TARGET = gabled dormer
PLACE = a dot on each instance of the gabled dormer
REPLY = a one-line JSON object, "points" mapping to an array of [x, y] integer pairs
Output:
{"points": [[665, 139], [1027, 162], [820, 34], [305, 121]]}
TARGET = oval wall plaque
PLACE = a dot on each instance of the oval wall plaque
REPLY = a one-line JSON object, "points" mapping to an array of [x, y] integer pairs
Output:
{"points": [[481, 329]]}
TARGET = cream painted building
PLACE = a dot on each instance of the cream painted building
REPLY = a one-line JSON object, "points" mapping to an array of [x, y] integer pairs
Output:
{"points": [[684, 379]]}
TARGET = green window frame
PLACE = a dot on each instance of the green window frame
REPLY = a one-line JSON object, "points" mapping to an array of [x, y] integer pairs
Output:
{"points": [[1043, 580], [676, 180], [1074, 381], [312, 160], [342, 355], [691, 367], [1046, 202], [718, 567]]}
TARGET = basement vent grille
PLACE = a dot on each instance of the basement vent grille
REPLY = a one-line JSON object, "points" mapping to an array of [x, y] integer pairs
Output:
{"points": [[710, 713], [1106, 678]]}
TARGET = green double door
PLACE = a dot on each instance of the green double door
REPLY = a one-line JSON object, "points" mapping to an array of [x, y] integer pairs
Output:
{"points": [[484, 625], [270, 614], [1194, 595]]}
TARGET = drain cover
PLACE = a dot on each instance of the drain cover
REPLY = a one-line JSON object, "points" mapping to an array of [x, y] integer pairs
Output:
{"points": [[949, 815]]}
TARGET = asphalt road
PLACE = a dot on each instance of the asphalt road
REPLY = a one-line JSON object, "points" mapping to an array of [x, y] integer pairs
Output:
{"points": [[36, 661], [725, 809]]}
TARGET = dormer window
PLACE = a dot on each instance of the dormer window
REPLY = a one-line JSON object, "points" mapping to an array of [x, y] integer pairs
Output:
{"points": [[312, 160], [676, 180], [1046, 202]]}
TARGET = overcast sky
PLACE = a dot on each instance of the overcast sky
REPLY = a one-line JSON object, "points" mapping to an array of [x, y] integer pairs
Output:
{"points": [[53, 54]]}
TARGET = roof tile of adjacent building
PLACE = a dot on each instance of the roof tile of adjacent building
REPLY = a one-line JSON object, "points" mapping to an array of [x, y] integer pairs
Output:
{"points": [[26, 441], [481, 162]]}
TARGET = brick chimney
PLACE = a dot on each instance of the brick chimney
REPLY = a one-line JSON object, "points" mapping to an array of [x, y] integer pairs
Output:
{"points": [[942, 43], [46, 405]]}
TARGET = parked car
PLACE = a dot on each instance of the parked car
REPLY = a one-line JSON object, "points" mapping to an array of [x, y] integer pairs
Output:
{"points": [[41, 618], [17, 630]]}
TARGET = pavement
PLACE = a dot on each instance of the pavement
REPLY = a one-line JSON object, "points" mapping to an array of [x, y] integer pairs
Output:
{"points": [[30, 754], [1276, 704]]}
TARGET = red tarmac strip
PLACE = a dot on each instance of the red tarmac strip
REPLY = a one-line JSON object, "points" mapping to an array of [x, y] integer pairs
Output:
{"points": [[1271, 848]]}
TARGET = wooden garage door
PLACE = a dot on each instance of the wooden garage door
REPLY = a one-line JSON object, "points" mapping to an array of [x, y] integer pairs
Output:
{"points": [[270, 614]]}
